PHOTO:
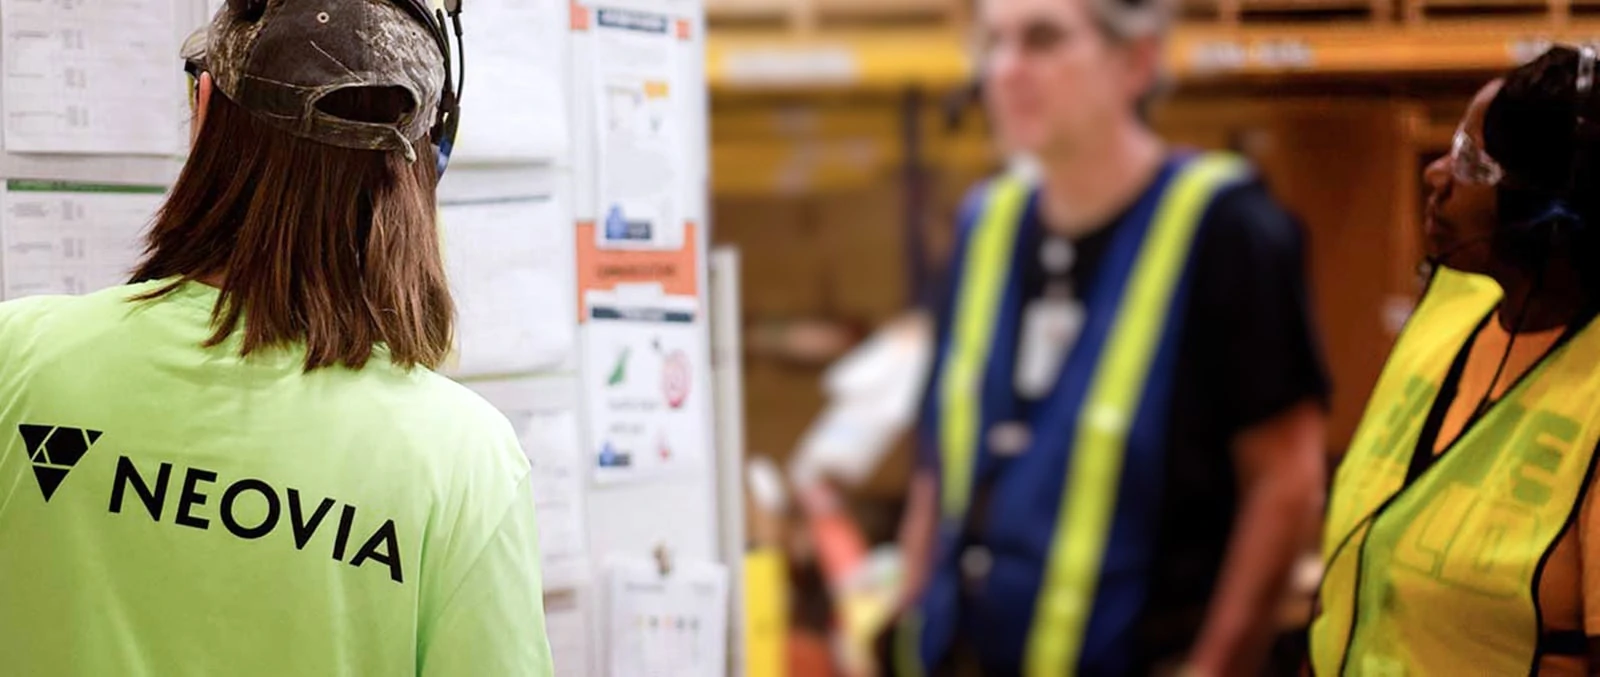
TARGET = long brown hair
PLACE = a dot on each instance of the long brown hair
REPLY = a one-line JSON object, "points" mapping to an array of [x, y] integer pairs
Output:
{"points": [[334, 248]]}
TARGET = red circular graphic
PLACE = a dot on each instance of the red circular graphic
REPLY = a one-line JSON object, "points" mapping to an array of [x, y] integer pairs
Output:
{"points": [[675, 378]]}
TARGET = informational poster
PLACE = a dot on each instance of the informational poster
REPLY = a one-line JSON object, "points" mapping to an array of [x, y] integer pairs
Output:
{"points": [[668, 624], [646, 384], [643, 159], [544, 414], [566, 622], [92, 77], [510, 263], [518, 55], [71, 238]]}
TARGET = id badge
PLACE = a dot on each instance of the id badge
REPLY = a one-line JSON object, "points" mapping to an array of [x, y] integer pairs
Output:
{"points": [[1050, 326]]}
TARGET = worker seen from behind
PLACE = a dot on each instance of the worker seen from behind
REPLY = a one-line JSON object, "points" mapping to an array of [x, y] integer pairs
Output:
{"points": [[1124, 429], [1460, 536], [241, 463]]}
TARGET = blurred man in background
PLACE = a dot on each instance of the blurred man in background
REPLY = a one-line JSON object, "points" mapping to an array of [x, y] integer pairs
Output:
{"points": [[1124, 431]]}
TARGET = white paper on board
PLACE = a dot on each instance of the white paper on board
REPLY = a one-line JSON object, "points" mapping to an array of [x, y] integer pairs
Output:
{"points": [[643, 156], [71, 238], [646, 383], [566, 622], [512, 266], [92, 77], [516, 70], [673, 625], [544, 414]]}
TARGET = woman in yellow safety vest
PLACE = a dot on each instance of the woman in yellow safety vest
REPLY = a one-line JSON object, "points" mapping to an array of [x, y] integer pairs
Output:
{"points": [[1459, 538]]}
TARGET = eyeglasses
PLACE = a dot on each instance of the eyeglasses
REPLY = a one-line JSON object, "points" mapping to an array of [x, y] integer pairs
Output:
{"points": [[1470, 164]]}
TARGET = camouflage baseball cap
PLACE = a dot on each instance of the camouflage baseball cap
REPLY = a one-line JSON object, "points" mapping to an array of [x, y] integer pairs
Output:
{"points": [[278, 59]]}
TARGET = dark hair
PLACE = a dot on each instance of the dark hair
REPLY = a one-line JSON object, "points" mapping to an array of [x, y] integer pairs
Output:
{"points": [[333, 248], [1548, 142]]}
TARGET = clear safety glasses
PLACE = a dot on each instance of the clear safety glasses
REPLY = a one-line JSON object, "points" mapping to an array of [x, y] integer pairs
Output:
{"points": [[1470, 164]]}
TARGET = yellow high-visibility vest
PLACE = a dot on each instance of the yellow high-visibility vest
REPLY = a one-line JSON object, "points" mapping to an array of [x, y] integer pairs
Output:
{"points": [[1439, 577]]}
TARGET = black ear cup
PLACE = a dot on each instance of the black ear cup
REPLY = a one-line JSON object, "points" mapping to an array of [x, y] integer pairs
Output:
{"points": [[248, 10], [434, 22]]}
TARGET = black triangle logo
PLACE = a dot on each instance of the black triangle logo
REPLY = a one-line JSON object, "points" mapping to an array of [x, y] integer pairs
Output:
{"points": [[54, 451], [34, 436], [50, 479]]}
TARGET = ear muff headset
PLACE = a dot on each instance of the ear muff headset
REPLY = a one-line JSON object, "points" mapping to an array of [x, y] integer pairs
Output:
{"points": [[443, 133], [1552, 218]]}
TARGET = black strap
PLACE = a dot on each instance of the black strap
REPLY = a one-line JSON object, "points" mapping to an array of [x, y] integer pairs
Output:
{"points": [[1564, 643], [1423, 456]]}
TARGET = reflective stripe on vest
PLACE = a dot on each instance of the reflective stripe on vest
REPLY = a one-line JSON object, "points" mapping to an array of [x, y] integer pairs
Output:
{"points": [[907, 652], [1439, 578], [1061, 614], [1089, 498], [986, 269]]}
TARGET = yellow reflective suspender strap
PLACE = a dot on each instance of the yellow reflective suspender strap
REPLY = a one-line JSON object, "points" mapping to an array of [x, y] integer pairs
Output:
{"points": [[907, 646], [1083, 525], [983, 280]]}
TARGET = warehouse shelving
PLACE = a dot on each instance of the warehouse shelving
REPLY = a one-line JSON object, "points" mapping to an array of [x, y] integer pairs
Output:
{"points": [[764, 59]]}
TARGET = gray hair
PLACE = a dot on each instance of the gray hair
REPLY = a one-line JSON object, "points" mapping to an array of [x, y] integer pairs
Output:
{"points": [[1133, 19], [1129, 20]]}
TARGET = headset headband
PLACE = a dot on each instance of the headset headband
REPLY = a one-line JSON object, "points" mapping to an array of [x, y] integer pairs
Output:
{"points": [[1585, 79], [1560, 212], [443, 134]]}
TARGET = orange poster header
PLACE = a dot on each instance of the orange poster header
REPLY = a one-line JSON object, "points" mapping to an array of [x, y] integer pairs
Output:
{"points": [[677, 271]]}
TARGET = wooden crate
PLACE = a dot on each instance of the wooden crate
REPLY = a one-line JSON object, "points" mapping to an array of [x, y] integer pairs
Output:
{"points": [[785, 262], [864, 235]]}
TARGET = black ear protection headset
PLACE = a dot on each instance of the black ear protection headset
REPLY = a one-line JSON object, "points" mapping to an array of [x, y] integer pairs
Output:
{"points": [[1556, 219], [1545, 216], [443, 133]]}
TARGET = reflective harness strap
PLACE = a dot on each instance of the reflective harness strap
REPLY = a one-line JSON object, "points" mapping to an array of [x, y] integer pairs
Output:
{"points": [[985, 271], [1088, 503], [907, 649]]}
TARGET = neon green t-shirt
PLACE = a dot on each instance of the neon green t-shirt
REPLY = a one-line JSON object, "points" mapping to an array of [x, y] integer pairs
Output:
{"points": [[168, 509]]}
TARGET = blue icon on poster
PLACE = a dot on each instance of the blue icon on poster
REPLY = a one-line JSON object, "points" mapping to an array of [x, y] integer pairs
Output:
{"points": [[611, 458], [616, 224], [620, 229]]}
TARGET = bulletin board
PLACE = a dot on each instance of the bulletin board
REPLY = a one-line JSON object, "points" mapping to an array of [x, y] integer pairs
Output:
{"points": [[93, 126], [613, 365], [573, 218]]}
